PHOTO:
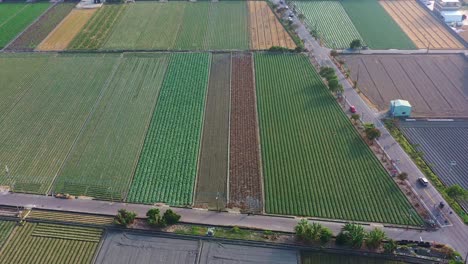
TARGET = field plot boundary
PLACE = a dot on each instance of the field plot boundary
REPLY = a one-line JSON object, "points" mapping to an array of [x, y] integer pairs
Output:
{"points": [[295, 161], [30, 25], [215, 133], [90, 114], [423, 29], [48, 44], [432, 83]]}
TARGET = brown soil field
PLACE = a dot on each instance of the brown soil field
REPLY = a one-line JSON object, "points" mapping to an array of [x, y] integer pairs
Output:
{"points": [[64, 33], [213, 161], [245, 183], [435, 85], [265, 29], [464, 33], [422, 28]]}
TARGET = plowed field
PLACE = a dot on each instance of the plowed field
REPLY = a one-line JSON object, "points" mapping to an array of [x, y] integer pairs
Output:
{"points": [[64, 33], [213, 165], [435, 85], [422, 28], [245, 184], [265, 29]]}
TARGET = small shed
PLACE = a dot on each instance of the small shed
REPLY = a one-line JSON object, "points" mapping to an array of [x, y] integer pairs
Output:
{"points": [[400, 108]]}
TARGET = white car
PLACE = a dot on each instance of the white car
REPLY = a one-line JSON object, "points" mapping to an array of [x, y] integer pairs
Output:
{"points": [[423, 181]]}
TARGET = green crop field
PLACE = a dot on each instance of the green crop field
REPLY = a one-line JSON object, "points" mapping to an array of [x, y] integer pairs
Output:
{"points": [[98, 28], [376, 26], [46, 243], [15, 17], [169, 26], [330, 21], [314, 161], [227, 27], [168, 163], [103, 159], [41, 114], [5, 229]]}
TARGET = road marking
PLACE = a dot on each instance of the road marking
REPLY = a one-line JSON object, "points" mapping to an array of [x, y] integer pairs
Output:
{"points": [[430, 197]]}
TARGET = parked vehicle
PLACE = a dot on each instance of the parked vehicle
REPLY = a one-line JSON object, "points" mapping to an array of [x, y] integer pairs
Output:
{"points": [[423, 181]]}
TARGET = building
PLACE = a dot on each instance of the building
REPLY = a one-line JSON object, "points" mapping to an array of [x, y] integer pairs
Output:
{"points": [[449, 11], [400, 108]]}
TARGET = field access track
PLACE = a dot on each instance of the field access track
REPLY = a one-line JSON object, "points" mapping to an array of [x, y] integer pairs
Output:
{"points": [[422, 28], [168, 163], [442, 143], [63, 34], [103, 159], [47, 243], [329, 19], [245, 183], [435, 85], [15, 17], [265, 29], [40, 116], [314, 161], [211, 191], [38, 31]]}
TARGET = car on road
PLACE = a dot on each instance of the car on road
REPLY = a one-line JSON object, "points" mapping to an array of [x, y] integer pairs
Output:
{"points": [[352, 109], [423, 181]]}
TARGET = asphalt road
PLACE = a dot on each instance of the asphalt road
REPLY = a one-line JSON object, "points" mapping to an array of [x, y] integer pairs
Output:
{"points": [[453, 231]]}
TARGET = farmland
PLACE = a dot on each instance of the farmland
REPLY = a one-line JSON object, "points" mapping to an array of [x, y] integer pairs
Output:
{"points": [[38, 31], [103, 158], [265, 30], [98, 28], [442, 143], [70, 217], [306, 136], [245, 182], [15, 17], [435, 85], [64, 33], [129, 247], [168, 162], [214, 155], [330, 21], [46, 243], [5, 230], [375, 25], [422, 28], [42, 117], [319, 257], [180, 26]]}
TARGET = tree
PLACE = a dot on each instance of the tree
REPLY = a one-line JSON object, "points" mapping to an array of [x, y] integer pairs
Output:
{"points": [[402, 176], [372, 133], [374, 238], [355, 117], [390, 246], [170, 217], [301, 229], [124, 217], [325, 235], [355, 44], [327, 72], [154, 218], [354, 235], [333, 53], [457, 192], [333, 84]]}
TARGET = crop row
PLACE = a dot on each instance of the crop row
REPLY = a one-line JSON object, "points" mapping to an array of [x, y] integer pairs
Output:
{"points": [[38, 31], [168, 163], [5, 229], [24, 247], [68, 232], [102, 160], [70, 217], [15, 17], [330, 22], [314, 162]]}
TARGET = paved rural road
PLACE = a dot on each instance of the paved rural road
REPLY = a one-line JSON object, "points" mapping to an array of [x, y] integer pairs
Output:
{"points": [[453, 231], [283, 224], [395, 51]]}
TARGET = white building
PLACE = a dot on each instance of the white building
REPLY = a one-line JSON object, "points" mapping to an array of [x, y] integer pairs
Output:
{"points": [[449, 11]]}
